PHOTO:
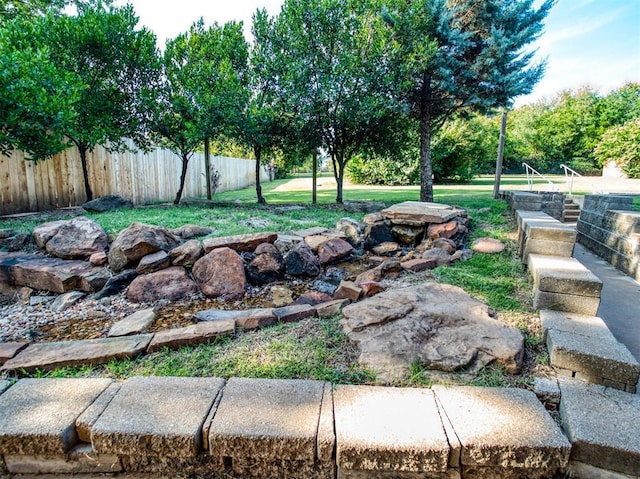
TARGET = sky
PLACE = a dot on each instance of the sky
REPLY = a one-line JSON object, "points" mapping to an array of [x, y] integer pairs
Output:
{"points": [[585, 42]]}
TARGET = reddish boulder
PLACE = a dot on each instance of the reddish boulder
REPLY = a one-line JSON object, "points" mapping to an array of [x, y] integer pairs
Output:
{"points": [[240, 243], [78, 238], [267, 266], [333, 250], [312, 298], [439, 256], [139, 240], [153, 262], [173, 284], [442, 230], [220, 274], [187, 254], [371, 288]]}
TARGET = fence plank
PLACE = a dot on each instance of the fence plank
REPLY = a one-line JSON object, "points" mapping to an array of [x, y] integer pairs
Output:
{"points": [[141, 177]]}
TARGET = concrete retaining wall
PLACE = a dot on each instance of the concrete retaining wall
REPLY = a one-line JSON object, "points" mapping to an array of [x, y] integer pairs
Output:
{"points": [[609, 228], [550, 202]]}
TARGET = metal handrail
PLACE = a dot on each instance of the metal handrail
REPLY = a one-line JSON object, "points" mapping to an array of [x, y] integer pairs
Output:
{"points": [[531, 174], [569, 179]]}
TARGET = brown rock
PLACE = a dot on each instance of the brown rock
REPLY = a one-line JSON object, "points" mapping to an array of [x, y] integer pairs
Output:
{"points": [[98, 259], [245, 319], [331, 308], [172, 283], [302, 262], [415, 213], [443, 230], [220, 274], [9, 350], [371, 288], [43, 233], [440, 256], [267, 266], [351, 229], [153, 262], [419, 265], [187, 253], [139, 240], [314, 241], [239, 243], [191, 335], [348, 290], [373, 274], [312, 298], [391, 268], [446, 244], [280, 296], [295, 312], [78, 238], [488, 246], [333, 250], [57, 275], [439, 326], [388, 248]]}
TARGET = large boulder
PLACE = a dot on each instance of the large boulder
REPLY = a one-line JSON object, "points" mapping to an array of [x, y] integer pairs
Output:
{"points": [[187, 253], [267, 266], [436, 325], [333, 250], [351, 229], [139, 240], [173, 284], [220, 274], [107, 203], [78, 238], [302, 262]]}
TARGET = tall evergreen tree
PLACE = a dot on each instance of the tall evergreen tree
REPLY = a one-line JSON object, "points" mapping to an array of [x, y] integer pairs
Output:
{"points": [[459, 55]]}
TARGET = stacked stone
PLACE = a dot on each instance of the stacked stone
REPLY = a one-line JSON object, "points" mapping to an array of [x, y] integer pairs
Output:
{"points": [[539, 233], [550, 202], [608, 228]]}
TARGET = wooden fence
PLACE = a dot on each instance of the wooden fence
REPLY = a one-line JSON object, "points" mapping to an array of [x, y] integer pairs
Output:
{"points": [[142, 177]]}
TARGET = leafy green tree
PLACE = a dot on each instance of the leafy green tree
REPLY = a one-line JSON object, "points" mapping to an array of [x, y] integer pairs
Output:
{"points": [[36, 99], [621, 145], [201, 95], [29, 9], [117, 67], [460, 55], [337, 80]]}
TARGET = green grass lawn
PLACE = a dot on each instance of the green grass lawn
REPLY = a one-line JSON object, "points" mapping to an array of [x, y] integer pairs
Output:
{"points": [[313, 348]]}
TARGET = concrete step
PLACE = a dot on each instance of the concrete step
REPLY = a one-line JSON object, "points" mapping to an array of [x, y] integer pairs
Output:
{"points": [[602, 424], [582, 347]]}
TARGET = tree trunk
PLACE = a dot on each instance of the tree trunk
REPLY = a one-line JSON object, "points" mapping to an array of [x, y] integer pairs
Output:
{"points": [[85, 171], [183, 177], [339, 177], [257, 151], [314, 191], [207, 167], [426, 170]]}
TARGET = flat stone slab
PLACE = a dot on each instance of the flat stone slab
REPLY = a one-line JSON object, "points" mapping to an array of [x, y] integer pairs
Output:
{"points": [[245, 319], [156, 416], [135, 323], [584, 344], [416, 213], [240, 243], [267, 419], [37, 416], [549, 230], [86, 420], [571, 303], [90, 352], [563, 275], [191, 335], [389, 429], [9, 350], [503, 427], [58, 275], [602, 424]]}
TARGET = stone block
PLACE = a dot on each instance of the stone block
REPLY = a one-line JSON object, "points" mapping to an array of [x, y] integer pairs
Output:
{"points": [[547, 390], [563, 275], [156, 415], [245, 319], [89, 352], [331, 308], [37, 416], [566, 302], [86, 420], [79, 460], [276, 468], [389, 429], [602, 424], [546, 247], [163, 466], [593, 357], [587, 471], [9, 350], [363, 474], [551, 231], [294, 312], [348, 290], [192, 335], [267, 419], [505, 428]]}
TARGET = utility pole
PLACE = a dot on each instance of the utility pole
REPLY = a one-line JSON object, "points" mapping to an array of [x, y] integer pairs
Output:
{"points": [[503, 134]]}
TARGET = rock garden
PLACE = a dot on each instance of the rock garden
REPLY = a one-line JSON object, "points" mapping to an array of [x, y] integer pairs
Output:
{"points": [[92, 298]]}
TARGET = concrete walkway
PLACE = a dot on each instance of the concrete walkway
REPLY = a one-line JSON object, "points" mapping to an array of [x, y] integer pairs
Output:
{"points": [[619, 299]]}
